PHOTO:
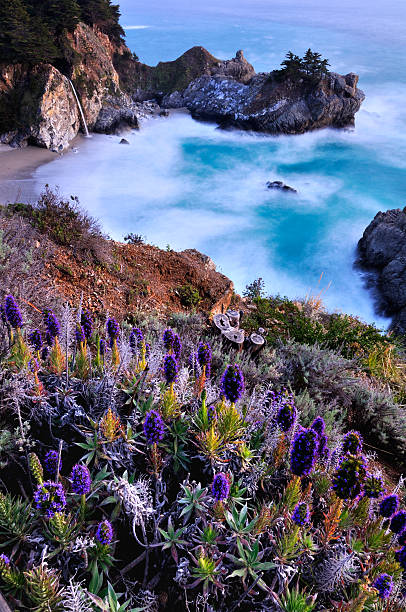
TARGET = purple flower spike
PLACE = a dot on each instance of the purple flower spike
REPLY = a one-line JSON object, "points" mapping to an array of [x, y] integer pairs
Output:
{"points": [[349, 477], [220, 488], [52, 324], [301, 514], [204, 354], [402, 538], [168, 339], [352, 443], [136, 337], [80, 335], [286, 416], [373, 486], [81, 481], [177, 347], [12, 312], [51, 462], [384, 585], [153, 427], [104, 533], [304, 452], [398, 522], [319, 425], [113, 329], [35, 339], [5, 559], [389, 505], [50, 498], [87, 324], [170, 369], [401, 557], [232, 383], [102, 346]]}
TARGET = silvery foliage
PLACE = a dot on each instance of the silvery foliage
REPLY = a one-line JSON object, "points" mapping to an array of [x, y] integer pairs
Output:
{"points": [[68, 325], [136, 499], [148, 601], [81, 544], [76, 599], [184, 386], [182, 571], [339, 567], [284, 574], [155, 360], [125, 352]]}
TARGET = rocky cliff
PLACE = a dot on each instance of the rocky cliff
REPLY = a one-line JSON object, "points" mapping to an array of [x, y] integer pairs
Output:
{"points": [[37, 104], [382, 252]]}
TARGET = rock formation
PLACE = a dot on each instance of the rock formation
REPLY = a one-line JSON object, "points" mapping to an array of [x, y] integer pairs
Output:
{"points": [[115, 90], [382, 252]]}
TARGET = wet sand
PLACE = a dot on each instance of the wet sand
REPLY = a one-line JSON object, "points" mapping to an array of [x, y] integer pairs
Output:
{"points": [[16, 169]]}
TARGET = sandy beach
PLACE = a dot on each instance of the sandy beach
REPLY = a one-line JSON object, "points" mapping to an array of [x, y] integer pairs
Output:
{"points": [[16, 169]]}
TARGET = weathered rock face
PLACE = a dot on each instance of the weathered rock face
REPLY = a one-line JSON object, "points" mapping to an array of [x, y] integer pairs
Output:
{"points": [[382, 251], [41, 104], [268, 105]]}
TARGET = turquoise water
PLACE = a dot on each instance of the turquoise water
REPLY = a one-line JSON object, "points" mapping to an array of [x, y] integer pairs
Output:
{"points": [[188, 184]]}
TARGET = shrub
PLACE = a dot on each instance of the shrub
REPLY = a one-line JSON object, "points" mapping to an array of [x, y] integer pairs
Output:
{"points": [[189, 295]]}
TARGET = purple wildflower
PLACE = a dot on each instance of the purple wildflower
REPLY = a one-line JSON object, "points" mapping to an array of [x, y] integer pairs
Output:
{"points": [[398, 522], [373, 486], [220, 488], [147, 350], [304, 449], [44, 353], [322, 449], [170, 369], [33, 365], [104, 533], [80, 335], [286, 416], [177, 347], [401, 557], [232, 383], [204, 354], [51, 462], [135, 339], [319, 425], [349, 476], [50, 498], [81, 481], [87, 324], [352, 443], [153, 427], [49, 339], [384, 585], [113, 329], [102, 346], [52, 324], [301, 514], [35, 339], [5, 559], [402, 538], [211, 414], [168, 339], [12, 312], [389, 505]]}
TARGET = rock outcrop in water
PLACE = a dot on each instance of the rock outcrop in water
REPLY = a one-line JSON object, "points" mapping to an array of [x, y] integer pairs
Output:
{"points": [[382, 252], [264, 103]]}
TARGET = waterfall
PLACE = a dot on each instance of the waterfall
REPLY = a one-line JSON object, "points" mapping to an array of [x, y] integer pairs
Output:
{"points": [[80, 109]]}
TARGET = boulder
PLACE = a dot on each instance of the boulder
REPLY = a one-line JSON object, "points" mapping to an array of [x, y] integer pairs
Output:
{"points": [[280, 186], [124, 141], [382, 253]]}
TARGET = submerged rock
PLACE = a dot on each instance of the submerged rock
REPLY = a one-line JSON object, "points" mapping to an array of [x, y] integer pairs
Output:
{"points": [[281, 186], [124, 141], [382, 252]]}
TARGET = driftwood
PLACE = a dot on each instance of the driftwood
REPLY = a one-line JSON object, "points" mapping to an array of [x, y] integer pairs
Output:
{"points": [[235, 337], [221, 322], [255, 344], [234, 318]]}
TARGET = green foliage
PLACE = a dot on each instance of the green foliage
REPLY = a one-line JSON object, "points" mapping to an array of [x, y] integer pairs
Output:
{"points": [[310, 67], [34, 32], [15, 518], [189, 295]]}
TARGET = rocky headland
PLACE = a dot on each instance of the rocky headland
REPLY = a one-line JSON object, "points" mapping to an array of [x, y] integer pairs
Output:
{"points": [[38, 103], [382, 253]]}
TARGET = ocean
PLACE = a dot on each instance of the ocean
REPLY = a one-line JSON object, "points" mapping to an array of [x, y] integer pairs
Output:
{"points": [[190, 185]]}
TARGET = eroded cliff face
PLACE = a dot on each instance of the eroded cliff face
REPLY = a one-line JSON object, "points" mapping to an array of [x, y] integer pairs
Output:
{"points": [[382, 251], [41, 106]]}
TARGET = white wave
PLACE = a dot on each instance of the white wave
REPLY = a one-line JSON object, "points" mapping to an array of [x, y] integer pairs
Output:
{"points": [[136, 27]]}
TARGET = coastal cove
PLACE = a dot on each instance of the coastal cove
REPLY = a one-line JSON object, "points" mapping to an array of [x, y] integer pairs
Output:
{"points": [[188, 184]]}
